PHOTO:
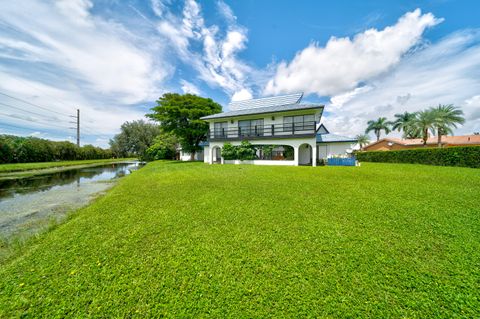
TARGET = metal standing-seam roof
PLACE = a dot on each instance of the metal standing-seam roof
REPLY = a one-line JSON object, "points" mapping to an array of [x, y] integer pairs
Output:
{"points": [[266, 102]]}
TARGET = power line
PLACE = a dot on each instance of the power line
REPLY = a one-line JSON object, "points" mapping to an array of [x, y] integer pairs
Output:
{"points": [[33, 104], [33, 121], [14, 126], [27, 129], [27, 111], [38, 90]]}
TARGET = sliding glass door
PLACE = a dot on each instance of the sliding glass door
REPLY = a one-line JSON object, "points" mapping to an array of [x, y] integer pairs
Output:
{"points": [[250, 127]]}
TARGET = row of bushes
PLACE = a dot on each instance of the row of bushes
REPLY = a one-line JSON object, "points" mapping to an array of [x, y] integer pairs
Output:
{"points": [[245, 151], [16, 149], [466, 156]]}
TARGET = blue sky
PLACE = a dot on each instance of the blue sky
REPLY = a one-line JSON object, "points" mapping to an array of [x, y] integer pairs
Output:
{"points": [[113, 59]]}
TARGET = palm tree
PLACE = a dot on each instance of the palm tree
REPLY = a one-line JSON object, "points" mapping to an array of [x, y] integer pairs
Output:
{"points": [[406, 122], [424, 122], [378, 126], [362, 140], [446, 118]]}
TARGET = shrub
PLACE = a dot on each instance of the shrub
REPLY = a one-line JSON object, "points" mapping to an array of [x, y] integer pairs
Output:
{"points": [[229, 152], [246, 151], [465, 156], [164, 147], [17, 149]]}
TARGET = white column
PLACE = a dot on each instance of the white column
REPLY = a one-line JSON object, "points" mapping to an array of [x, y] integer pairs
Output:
{"points": [[296, 154], [210, 159], [314, 154]]}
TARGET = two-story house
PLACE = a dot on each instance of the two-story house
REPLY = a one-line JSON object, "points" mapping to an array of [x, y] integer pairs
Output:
{"points": [[284, 131]]}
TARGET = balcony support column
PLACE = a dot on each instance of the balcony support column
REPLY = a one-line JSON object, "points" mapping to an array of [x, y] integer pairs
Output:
{"points": [[314, 154], [210, 157], [296, 155]]}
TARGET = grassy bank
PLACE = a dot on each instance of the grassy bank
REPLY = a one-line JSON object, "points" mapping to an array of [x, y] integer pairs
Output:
{"points": [[19, 167], [193, 240]]}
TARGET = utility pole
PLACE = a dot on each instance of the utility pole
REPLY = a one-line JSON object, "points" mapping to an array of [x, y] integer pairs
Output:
{"points": [[78, 126]]}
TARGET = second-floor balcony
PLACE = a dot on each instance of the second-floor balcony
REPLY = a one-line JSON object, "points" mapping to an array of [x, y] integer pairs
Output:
{"points": [[286, 130]]}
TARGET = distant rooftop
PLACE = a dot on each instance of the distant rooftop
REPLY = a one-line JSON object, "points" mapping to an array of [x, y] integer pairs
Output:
{"points": [[451, 140], [272, 104]]}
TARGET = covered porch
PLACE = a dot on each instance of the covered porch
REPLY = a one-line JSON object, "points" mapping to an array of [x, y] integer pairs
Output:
{"points": [[303, 152]]}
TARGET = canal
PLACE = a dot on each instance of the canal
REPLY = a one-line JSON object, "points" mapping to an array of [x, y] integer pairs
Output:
{"points": [[28, 205]]}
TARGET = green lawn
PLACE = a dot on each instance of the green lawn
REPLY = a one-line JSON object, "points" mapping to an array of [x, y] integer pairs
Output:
{"points": [[193, 240], [18, 167]]}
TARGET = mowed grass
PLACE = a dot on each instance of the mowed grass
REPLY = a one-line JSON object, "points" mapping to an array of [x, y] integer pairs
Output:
{"points": [[19, 167], [193, 240]]}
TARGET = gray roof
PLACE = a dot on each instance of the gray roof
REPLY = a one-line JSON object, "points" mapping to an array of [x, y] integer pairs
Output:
{"points": [[266, 102], [262, 110], [331, 138]]}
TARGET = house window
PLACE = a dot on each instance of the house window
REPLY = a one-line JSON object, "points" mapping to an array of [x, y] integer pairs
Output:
{"points": [[250, 127], [220, 129], [299, 123]]}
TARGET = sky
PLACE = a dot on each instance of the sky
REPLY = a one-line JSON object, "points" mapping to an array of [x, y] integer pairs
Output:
{"points": [[113, 59]]}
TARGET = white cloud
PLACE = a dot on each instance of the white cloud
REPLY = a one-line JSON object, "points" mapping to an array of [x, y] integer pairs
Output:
{"points": [[64, 57], [188, 87], [243, 94], [99, 52], [441, 73], [218, 63], [344, 63]]}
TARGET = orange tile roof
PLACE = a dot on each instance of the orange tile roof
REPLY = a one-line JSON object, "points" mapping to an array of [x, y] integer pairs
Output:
{"points": [[451, 140]]}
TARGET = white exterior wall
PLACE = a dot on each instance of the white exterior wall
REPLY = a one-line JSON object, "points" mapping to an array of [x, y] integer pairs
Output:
{"points": [[326, 150], [184, 156]]}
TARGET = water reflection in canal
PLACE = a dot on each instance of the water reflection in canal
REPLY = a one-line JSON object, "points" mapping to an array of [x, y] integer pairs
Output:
{"points": [[29, 204]]}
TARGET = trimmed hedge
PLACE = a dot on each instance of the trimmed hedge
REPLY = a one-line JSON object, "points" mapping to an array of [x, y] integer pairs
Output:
{"points": [[465, 156], [18, 149]]}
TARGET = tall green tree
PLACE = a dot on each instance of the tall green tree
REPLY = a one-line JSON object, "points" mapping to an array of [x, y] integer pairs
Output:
{"points": [[425, 122], [134, 138], [406, 122], [447, 117], [180, 115], [377, 126], [362, 140]]}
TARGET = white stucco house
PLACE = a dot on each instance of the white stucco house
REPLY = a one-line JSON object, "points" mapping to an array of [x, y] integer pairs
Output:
{"points": [[291, 128]]}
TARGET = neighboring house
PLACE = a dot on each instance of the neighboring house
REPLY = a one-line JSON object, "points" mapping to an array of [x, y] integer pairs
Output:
{"points": [[291, 127], [331, 144], [390, 143]]}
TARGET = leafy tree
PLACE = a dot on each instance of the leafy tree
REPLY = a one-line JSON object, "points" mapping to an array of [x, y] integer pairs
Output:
{"points": [[377, 126], [406, 122], [362, 140], [164, 147], [7, 149], [135, 138], [180, 115], [17, 149], [446, 118], [65, 151]]}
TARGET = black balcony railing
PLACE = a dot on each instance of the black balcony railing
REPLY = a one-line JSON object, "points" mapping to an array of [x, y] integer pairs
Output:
{"points": [[264, 131]]}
